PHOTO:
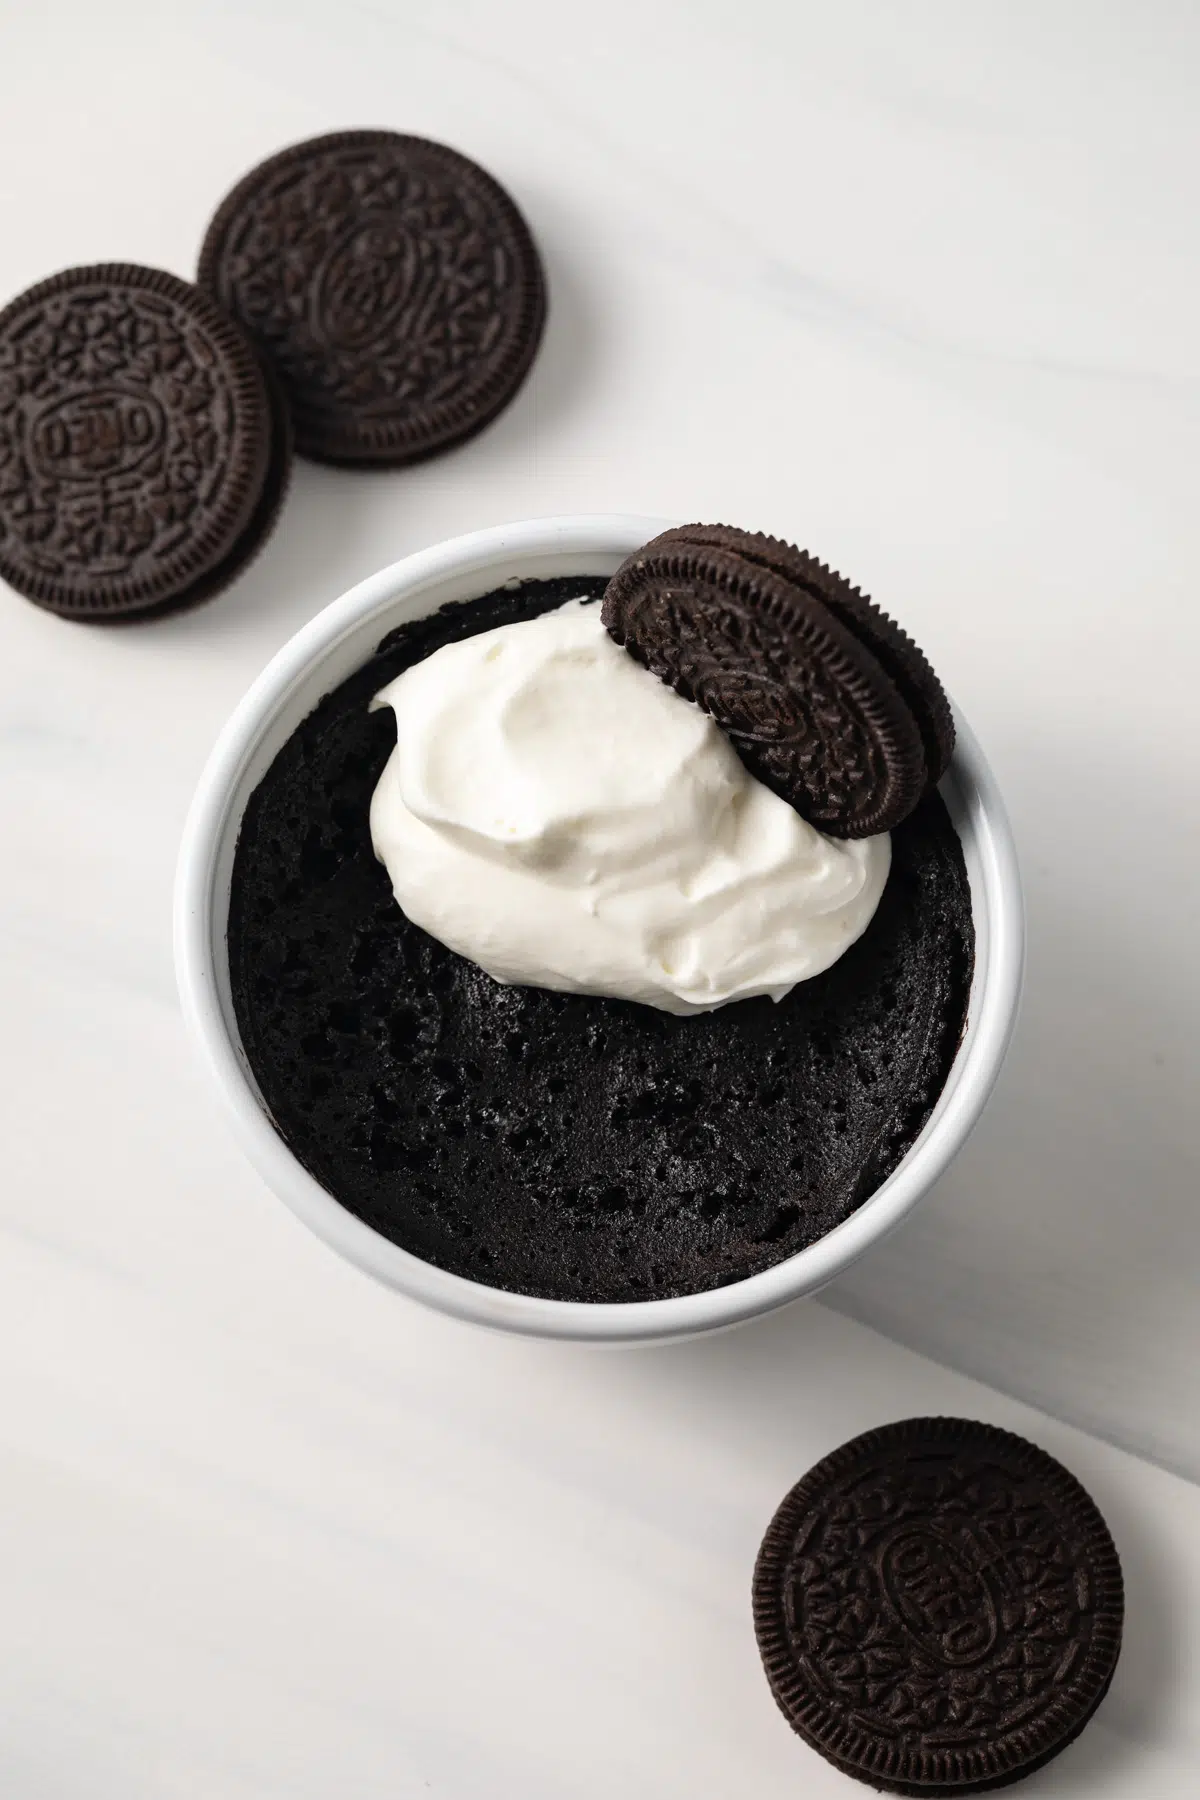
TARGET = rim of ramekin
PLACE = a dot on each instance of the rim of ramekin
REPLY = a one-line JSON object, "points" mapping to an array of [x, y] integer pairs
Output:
{"points": [[215, 812]]}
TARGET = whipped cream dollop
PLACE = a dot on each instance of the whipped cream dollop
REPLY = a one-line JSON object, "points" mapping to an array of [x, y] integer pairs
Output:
{"points": [[555, 813]]}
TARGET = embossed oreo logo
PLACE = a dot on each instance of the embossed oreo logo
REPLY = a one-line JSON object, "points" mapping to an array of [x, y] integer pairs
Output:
{"points": [[717, 650], [365, 283], [758, 709], [98, 433], [941, 1601]]}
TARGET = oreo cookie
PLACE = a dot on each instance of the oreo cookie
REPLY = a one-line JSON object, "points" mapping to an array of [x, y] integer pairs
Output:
{"points": [[144, 452], [938, 1605], [903, 662], [827, 701], [393, 284]]}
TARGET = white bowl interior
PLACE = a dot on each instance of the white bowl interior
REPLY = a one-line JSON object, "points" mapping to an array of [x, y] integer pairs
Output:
{"points": [[323, 654]]}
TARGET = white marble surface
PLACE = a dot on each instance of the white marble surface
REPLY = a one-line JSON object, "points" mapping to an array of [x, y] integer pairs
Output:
{"points": [[917, 286]]}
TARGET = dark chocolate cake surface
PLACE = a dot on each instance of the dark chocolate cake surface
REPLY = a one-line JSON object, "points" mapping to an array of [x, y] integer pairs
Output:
{"points": [[555, 1144]]}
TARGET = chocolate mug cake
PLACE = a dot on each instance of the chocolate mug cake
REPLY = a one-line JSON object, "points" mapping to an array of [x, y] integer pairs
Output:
{"points": [[572, 1144]]}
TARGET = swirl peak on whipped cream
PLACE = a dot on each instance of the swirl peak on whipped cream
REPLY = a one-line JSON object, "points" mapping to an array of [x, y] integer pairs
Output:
{"points": [[557, 815]]}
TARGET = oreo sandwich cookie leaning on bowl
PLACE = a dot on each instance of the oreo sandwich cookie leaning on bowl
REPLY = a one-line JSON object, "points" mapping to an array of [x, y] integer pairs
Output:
{"points": [[609, 940], [939, 1608], [144, 448], [391, 282]]}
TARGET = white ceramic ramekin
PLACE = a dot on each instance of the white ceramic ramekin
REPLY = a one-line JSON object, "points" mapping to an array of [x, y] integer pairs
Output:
{"points": [[320, 656]]}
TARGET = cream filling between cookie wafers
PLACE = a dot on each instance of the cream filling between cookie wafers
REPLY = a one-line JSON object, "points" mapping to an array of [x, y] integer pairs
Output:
{"points": [[557, 815]]}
